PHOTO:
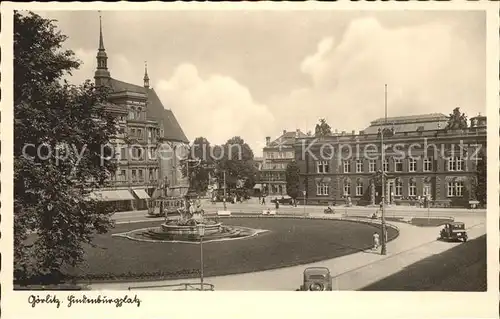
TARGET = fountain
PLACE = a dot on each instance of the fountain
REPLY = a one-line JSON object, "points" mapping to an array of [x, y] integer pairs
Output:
{"points": [[182, 226], [188, 220]]}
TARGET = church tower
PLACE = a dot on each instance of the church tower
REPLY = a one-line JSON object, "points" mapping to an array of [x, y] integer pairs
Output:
{"points": [[146, 77], [102, 75]]}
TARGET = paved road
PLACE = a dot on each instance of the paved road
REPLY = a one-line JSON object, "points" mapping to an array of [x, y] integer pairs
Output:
{"points": [[352, 272], [459, 214]]}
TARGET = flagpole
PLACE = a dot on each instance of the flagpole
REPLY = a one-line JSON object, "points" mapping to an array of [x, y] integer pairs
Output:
{"points": [[384, 244]]}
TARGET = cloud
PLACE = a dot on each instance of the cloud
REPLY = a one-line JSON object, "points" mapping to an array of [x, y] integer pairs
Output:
{"points": [[427, 67], [216, 107], [118, 65]]}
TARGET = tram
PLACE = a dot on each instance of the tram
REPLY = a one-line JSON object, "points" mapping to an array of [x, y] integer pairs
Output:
{"points": [[163, 206]]}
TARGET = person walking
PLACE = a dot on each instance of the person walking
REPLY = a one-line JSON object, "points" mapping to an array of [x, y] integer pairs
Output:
{"points": [[376, 241], [263, 200]]}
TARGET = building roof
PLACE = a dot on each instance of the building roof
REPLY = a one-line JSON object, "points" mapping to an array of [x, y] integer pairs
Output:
{"points": [[154, 110], [287, 139], [425, 122]]}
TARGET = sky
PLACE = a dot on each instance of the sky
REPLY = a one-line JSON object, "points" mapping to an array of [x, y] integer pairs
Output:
{"points": [[257, 73]]}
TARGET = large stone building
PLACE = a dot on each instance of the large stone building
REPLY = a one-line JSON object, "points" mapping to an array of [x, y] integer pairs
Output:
{"points": [[144, 148], [347, 167], [277, 154]]}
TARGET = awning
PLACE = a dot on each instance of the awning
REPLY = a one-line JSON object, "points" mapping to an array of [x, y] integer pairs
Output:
{"points": [[257, 186], [111, 195], [141, 194]]}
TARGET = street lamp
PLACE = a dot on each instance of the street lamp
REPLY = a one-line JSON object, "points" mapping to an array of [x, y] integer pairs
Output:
{"points": [[201, 232], [384, 246], [304, 192]]}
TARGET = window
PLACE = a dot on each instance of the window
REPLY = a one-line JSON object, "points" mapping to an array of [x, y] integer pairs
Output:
{"points": [[427, 164], [398, 188], [139, 133], [372, 166], [412, 165], [426, 191], [398, 165], [141, 177], [412, 188], [131, 115], [347, 167], [123, 175], [359, 188], [386, 165], [455, 189], [359, 166], [322, 189], [151, 176], [134, 175], [455, 164], [347, 188], [132, 132], [322, 167], [139, 153]]}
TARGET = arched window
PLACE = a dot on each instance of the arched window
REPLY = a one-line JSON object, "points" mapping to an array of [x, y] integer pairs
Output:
{"points": [[359, 187], [398, 187], [412, 187], [347, 187]]}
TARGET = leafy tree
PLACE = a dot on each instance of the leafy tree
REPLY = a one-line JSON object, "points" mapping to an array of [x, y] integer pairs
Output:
{"points": [[237, 161], [480, 185], [53, 216], [322, 129], [457, 120], [293, 180]]}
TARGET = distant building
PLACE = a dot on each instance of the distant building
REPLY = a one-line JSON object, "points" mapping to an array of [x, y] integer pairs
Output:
{"points": [[277, 154], [349, 168], [145, 126]]}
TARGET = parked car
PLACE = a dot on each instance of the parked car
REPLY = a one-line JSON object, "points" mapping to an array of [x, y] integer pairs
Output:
{"points": [[317, 279], [454, 231]]}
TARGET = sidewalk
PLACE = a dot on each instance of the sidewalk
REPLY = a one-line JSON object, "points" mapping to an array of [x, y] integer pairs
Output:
{"points": [[351, 272]]}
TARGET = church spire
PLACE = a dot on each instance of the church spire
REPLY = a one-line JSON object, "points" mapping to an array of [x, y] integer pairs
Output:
{"points": [[101, 41], [101, 75], [146, 77]]}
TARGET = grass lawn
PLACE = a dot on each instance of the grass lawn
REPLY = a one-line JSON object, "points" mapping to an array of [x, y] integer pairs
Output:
{"points": [[462, 268], [288, 242]]}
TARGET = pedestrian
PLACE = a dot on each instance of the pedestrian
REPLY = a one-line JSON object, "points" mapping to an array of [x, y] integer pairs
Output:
{"points": [[264, 200], [277, 204], [376, 241]]}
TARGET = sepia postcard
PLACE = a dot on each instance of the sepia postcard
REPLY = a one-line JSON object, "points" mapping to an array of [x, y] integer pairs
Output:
{"points": [[297, 159]]}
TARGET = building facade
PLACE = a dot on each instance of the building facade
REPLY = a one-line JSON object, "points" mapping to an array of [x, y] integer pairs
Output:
{"points": [[276, 156], [421, 159], [145, 147]]}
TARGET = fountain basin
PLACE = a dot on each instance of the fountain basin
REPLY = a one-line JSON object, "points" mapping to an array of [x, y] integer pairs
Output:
{"points": [[173, 229]]}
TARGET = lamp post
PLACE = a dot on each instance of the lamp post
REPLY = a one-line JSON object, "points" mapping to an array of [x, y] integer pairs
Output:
{"points": [[201, 232], [304, 192], [384, 248], [224, 201]]}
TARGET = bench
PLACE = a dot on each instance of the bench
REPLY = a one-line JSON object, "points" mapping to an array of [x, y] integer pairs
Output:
{"points": [[268, 212], [223, 213]]}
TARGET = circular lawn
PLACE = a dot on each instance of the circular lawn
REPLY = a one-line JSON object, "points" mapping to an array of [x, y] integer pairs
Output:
{"points": [[287, 242]]}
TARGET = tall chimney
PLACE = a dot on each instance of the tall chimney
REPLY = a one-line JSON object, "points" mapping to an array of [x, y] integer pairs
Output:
{"points": [[284, 132], [268, 140]]}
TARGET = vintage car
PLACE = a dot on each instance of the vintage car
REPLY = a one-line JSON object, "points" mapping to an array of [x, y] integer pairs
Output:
{"points": [[453, 231], [317, 279]]}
